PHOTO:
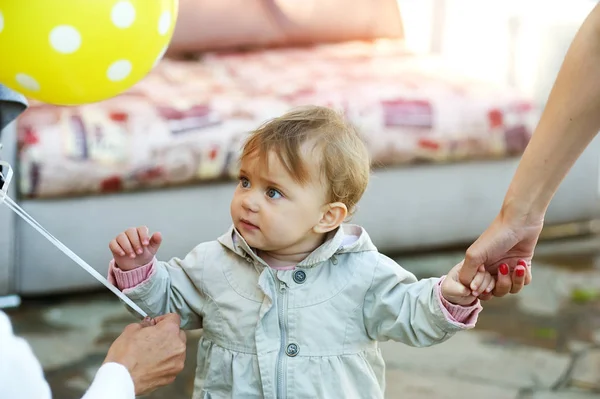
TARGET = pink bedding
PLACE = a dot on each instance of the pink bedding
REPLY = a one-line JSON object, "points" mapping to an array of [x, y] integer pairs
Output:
{"points": [[184, 122]]}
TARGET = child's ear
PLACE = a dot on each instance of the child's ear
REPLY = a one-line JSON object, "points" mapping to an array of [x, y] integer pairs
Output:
{"points": [[334, 214]]}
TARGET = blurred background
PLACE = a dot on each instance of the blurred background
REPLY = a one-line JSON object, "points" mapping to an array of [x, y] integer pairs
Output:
{"points": [[446, 94]]}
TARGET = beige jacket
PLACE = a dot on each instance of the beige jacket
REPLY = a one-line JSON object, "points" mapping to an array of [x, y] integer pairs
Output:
{"points": [[311, 332]]}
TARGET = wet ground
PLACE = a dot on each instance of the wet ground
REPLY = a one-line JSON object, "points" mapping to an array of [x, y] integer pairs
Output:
{"points": [[542, 343]]}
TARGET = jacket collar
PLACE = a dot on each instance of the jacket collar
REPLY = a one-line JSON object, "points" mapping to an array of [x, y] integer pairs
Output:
{"points": [[336, 243]]}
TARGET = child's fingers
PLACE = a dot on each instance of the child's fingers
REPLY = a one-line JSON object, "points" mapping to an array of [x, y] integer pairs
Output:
{"points": [[476, 282], [155, 241], [134, 239], [485, 285], [485, 296], [489, 284], [456, 291], [115, 248], [123, 241], [144, 235]]}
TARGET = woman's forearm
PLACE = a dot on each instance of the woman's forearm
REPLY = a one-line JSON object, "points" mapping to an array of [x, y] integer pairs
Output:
{"points": [[569, 122]]}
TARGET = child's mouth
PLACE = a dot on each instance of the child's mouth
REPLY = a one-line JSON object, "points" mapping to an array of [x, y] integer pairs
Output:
{"points": [[247, 225]]}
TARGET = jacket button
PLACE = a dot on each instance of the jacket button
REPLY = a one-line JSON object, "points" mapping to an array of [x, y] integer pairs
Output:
{"points": [[292, 350], [299, 276]]}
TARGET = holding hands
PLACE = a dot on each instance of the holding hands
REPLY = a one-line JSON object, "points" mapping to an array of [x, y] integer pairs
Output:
{"points": [[505, 250], [454, 291]]}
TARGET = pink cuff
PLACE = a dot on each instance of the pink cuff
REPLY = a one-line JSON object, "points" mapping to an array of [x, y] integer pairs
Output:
{"points": [[129, 279], [466, 315]]}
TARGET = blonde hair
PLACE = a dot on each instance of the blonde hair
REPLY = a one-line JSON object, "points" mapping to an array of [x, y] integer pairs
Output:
{"points": [[344, 159]]}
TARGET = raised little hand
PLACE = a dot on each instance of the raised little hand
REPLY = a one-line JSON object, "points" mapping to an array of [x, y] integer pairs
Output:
{"points": [[134, 247], [457, 293]]}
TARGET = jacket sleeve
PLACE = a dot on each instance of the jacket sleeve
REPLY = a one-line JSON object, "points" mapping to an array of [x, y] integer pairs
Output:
{"points": [[175, 286], [400, 308]]}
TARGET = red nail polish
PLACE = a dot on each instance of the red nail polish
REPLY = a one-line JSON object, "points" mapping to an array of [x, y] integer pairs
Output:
{"points": [[521, 262], [520, 272], [503, 269]]}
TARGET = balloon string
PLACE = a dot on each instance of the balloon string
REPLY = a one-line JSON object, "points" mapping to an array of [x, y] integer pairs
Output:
{"points": [[67, 251]]}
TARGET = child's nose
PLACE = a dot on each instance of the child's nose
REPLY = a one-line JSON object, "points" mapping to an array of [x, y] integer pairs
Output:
{"points": [[250, 202]]}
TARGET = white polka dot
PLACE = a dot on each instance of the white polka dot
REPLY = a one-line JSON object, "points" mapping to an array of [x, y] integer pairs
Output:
{"points": [[1, 22], [118, 70], [27, 82], [65, 39], [123, 14], [164, 23], [160, 56]]}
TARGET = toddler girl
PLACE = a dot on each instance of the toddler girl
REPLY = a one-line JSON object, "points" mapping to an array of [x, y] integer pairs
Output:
{"points": [[291, 300]]}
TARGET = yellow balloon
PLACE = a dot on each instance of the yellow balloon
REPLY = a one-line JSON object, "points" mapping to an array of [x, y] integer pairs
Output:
{"points": [[70, 52]]}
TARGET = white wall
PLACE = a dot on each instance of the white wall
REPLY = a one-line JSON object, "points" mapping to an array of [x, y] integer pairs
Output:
{"points": [[521, 43]]}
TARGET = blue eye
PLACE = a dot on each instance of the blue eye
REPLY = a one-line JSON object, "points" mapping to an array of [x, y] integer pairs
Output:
{"points": [[245, 183], [273, 194]]}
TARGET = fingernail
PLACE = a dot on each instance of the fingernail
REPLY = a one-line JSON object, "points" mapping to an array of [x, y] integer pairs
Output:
{"points": [[503, 269], [132, 256], [139, 251], [520, 272], [122, 253], [147, 322], [146, 242], [521, 262]]}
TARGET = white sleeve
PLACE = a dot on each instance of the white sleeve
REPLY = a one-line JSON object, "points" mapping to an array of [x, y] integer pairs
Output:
{"points": [[111, 381], [21, 375]]}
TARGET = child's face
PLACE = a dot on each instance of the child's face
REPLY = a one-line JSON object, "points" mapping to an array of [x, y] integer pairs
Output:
{"points": [[273, 212]]}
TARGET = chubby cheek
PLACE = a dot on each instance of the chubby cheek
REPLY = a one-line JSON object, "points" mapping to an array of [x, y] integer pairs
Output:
{"points": [[283, 225], [234, 207]]}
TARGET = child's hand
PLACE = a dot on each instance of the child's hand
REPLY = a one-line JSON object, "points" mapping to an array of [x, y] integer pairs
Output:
{"points": [[134, 248], [455, 292]]}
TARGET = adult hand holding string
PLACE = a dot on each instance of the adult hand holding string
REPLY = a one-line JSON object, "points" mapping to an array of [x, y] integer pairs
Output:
{"points": [[153, 352]]}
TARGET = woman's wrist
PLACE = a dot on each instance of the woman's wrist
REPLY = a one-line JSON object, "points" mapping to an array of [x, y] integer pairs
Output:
{"points": [[523, 210]]}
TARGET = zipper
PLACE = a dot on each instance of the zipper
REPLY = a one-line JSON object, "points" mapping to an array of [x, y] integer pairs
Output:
{"points": [[281, 359]]}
